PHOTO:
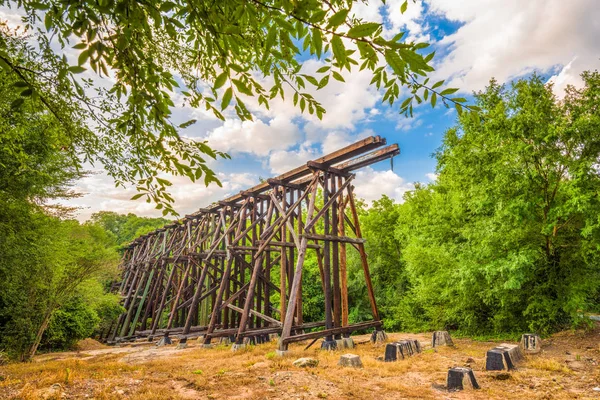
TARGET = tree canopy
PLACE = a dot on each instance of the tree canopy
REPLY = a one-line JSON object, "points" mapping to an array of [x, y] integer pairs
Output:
{"points": [[507, 238], [215, 54]]}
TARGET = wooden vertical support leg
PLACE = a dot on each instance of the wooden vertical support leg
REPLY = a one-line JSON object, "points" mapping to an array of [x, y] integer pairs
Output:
{"points": [[142, 301], [337, 297], [151, 304], [283, 268], [363, 256], [327, 261], [257, 267], [299, 311], [226, 313], [194, 305], [163, 300], [137, 292], [224, 282], [173, 313], [255, 322], [289, 318], [343, 272]]}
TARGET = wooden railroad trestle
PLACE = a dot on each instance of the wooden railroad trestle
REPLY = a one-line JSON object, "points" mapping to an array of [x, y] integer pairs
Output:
{"points": [[211, 273]]}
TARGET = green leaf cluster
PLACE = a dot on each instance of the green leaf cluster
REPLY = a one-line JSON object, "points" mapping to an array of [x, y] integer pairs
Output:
{"points": [[215, 55]]}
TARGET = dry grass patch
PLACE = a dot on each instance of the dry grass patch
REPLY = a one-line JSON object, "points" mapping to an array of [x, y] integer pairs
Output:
{"points": [[257, 373]]}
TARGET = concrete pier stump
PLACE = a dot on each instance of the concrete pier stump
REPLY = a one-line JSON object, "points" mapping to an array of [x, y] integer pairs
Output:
{"points": [[348, 343], [441, 338], [329, 345], [503, 357], [164, 341], [401, 349], [182, 344], [225, 340], [249, 340], [460, 378], [350, 360], [238, 346], [531, 343], [378, 337], [282, 353]]}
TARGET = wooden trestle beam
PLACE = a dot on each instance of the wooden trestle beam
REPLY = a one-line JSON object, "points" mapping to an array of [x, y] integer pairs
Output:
{"points": [[216, 272]]}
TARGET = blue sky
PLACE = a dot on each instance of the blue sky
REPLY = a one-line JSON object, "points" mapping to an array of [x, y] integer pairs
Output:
{"points": [[474, 41]]}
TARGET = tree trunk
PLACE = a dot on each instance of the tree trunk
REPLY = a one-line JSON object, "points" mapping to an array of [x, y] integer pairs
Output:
{"points": [[40, 333]]}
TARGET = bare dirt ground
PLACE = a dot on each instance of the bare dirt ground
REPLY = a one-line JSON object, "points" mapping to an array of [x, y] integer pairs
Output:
{"points": [[567, 368]]}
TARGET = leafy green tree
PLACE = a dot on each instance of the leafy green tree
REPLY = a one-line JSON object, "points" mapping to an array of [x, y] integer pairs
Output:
{"points": [[507, 238], [210, 52], [125, 228], [44, 259], [385, 262]]}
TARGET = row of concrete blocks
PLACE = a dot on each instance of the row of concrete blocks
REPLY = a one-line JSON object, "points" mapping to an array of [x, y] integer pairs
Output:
{"points": [[506, 356], [503, 357], [500, 358], [226, 340]]}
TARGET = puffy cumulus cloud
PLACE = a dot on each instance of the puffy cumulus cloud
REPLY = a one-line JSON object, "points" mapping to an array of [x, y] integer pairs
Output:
{"points": [[100, 194], [256, 137], [370, 185], [506, 39], [282, 161]]}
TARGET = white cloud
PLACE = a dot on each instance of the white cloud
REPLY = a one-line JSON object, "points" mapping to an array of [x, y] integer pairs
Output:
{"points": [[100, 194], [282, 161], [432, 176], [411, 20], [506, 39], [567, 76], [255, 137], [370, 185], [12, 16]]}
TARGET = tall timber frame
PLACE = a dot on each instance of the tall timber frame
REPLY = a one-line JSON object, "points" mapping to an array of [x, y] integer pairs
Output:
{"points": [[212, 274]]}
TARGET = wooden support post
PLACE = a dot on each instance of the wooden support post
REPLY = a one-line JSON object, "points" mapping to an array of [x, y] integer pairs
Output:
{"points": [[287, 325], [363, 258]]}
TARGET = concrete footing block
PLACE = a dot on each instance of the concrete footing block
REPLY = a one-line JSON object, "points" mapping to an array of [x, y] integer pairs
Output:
{"points": [[249, 340], [441, 338], [531, 343], [350, 360], [182, 344], [503, 357], [378, 337], [164, 341], [225, 340], [282, 353], [348, 343], [401, 349], [238, 346], [460, 378], [329, 345], [207, 345]]}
